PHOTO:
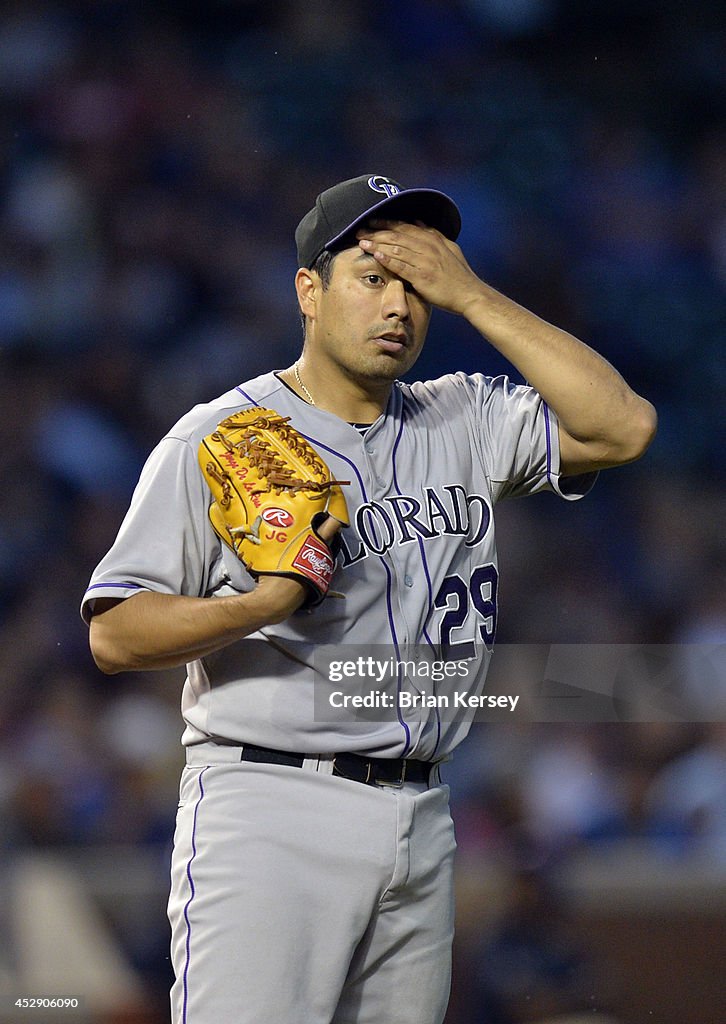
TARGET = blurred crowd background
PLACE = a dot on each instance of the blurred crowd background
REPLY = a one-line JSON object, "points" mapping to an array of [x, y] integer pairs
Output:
{"points": [[155, 160]]}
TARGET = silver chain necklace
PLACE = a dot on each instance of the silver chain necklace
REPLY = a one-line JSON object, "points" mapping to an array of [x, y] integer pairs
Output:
{"points": [[302, 386]]}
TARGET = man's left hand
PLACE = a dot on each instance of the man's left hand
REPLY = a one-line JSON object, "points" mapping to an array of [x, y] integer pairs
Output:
{"points": [[430, 262]]}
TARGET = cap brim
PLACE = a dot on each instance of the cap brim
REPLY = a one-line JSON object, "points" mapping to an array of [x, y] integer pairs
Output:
{"points": [[433, 208]]}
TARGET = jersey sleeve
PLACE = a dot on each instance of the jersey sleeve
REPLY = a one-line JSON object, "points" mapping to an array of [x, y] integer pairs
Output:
{"points": [[519, 440], [165, 543]]}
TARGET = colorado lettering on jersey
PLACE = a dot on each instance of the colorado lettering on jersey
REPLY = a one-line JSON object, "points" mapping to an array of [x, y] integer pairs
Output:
{"points": [[401, 519]]}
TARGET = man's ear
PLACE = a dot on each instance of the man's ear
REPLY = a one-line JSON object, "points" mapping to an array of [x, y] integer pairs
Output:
{"points": [[306, 286]]}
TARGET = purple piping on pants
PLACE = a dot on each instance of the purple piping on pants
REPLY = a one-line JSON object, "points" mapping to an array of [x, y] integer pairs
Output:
{"points": [[192, 893]]}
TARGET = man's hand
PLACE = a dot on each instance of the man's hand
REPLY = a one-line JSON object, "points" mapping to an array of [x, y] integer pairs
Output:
{"points": [[280, 596], [431, 263], [156, 631], [601, 421]]}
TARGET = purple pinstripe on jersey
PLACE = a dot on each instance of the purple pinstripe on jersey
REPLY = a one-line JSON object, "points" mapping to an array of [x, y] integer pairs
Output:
{"points": [[192, 893], [389, 580], [115, 586], [424, 561], [248, 397], [391, 622], [549, 441], [421, 548]]}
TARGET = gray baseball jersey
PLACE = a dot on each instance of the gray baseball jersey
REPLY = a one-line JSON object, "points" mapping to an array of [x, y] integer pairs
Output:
{"points": [[416, 571]]}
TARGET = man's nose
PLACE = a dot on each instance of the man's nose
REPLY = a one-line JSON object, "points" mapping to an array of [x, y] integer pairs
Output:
{"points": [[395, 300]]}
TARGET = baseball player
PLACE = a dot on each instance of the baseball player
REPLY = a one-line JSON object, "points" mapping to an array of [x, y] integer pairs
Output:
{"points": [[312, 863]]}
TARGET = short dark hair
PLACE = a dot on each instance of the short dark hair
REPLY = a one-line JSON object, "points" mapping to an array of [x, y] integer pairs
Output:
{"points": [[323, 267]]}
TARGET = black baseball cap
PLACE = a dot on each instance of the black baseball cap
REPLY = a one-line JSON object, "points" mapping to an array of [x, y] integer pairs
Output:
{"points": [[340, 210]]}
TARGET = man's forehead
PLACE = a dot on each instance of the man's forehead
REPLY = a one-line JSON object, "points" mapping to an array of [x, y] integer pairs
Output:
{"points": [[373, 225], [363, 257], [356, 259], [353, 255]]}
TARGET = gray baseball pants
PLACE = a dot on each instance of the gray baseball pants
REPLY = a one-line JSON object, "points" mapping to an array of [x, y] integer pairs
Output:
{"points": [[302, 898]]}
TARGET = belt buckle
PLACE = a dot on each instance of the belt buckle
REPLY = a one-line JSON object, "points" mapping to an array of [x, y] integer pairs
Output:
{"points": [[364, 777], [394, 783]]}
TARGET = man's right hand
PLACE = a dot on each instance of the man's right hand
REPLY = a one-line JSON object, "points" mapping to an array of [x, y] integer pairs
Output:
{"points": [[158, 631]]}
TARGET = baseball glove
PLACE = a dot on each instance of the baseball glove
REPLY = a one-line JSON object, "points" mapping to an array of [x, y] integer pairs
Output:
{"points": [[271, 491]]}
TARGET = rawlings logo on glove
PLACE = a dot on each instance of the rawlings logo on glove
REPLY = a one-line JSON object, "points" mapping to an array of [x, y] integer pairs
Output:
{"points": [[314, 560], [271, 490]]}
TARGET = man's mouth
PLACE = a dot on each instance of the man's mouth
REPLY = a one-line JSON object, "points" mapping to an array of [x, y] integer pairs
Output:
{"points": [[392, 341]]}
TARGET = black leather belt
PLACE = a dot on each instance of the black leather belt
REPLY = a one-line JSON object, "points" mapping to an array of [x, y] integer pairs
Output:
{"points": [[381, 771]]}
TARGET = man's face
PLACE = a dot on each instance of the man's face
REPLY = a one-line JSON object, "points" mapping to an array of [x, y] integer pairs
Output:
{"points": [[367, 322]]}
